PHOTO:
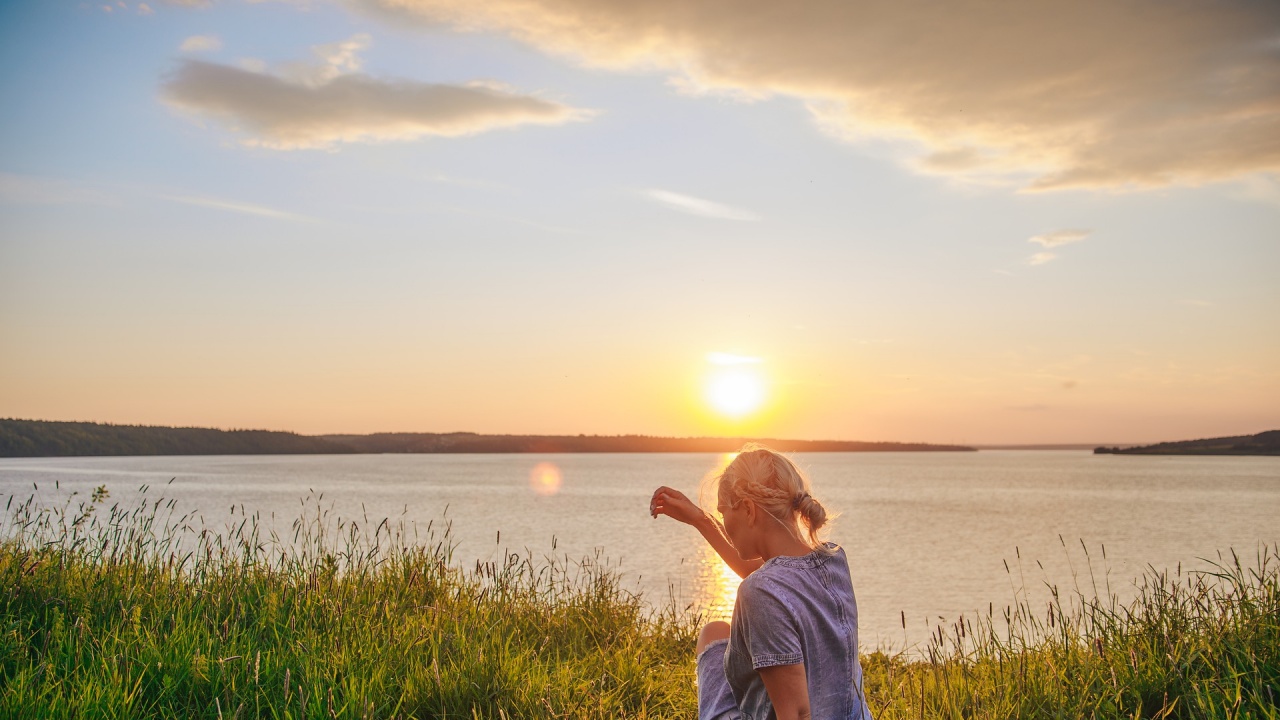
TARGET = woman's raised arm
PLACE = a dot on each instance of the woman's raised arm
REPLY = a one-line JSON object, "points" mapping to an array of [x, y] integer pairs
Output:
{"points": [[675, 505]]}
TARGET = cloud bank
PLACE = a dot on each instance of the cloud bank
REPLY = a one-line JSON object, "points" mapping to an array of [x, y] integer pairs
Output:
{"points": [[322, 104], [1054, 95]]}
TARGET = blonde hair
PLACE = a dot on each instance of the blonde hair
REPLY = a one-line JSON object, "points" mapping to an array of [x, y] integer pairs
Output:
{"points": [[774, 483]]}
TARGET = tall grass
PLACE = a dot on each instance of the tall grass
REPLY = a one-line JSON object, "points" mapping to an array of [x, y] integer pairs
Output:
{"points": [[1202, 644], [112, 611]]}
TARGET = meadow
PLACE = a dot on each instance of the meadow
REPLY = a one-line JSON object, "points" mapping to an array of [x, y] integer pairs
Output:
{"points": [[114, 611]]}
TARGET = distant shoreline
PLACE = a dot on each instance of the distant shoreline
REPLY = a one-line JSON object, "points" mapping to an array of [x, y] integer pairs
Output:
{"points": [[1264, 443], [44, 438], [1039, 446]]}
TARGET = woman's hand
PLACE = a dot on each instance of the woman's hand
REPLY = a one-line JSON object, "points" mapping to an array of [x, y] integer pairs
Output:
{"points": [[673, 503]]}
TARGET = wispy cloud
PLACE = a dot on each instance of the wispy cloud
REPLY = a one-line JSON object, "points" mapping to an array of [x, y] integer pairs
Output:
{"points": [[201, 43], [721, 358], [1085, 94], [444, 179], [699, 206], [32, 190], [1058, 238], [1054, 239], [29, 190], [324, 103], [238, 207]]}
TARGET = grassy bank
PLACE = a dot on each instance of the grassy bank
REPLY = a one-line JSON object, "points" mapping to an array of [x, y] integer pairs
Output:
{"points": [[115, 612], [1190, 645]]}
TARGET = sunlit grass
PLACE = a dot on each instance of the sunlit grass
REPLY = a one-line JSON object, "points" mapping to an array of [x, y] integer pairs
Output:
{"points": [[133, 612], [116, 613], [1190, 645]]}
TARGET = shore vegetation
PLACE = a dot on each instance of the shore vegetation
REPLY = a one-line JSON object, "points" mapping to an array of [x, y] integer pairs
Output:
{"points": [[43, 438], [117, 611]]}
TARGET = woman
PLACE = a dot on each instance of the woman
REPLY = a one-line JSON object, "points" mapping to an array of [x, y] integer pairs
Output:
{"points": [[791, 650]]}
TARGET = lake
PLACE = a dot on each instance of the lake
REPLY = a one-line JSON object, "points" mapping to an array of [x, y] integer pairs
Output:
{"points": [[927, 534]]}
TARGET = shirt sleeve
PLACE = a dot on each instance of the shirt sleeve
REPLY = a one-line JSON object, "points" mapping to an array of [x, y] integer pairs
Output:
{"points": [[769, 625]]}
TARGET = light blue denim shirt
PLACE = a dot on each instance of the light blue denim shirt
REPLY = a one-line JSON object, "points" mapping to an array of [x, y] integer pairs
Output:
{"points": [[798, 610]]}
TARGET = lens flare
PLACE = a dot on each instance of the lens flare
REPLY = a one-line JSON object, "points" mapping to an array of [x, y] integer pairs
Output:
{"points": [[545, 479]]}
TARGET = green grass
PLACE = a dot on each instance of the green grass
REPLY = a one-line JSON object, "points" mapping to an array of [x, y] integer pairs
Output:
{"points": [[1189, 645], [132, 612]]}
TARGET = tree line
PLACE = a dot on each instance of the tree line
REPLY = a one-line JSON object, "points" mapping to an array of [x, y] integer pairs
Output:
{"points": [[42, 438]]}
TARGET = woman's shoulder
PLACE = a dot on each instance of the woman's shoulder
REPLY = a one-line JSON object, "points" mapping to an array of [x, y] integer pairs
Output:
{"points": [[782, 578], [784, 567], [819, 556]]}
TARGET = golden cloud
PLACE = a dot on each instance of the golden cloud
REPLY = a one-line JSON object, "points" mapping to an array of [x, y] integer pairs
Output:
{"points": [[1090, 93]]}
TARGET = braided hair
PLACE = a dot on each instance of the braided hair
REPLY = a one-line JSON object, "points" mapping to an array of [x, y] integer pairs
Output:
{"points": [[771, 481]]}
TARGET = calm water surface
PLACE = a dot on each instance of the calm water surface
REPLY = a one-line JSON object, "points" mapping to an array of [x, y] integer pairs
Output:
{"points": [[927, 534]]}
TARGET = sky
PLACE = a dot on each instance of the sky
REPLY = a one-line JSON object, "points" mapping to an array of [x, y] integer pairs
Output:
{"points": [[974, 222]]}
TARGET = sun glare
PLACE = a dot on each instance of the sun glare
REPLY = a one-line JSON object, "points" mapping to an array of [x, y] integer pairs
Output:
{"points": [[736, 391]]}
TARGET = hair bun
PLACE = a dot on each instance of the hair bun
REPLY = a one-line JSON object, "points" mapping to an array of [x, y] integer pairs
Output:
{"points": [[812, 510]]}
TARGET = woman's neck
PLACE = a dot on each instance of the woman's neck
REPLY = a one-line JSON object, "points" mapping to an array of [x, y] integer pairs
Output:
{"points": [[779, 542]]}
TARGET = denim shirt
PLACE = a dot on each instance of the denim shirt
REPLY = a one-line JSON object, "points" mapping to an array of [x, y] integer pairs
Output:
{"points": [[798, 610]]}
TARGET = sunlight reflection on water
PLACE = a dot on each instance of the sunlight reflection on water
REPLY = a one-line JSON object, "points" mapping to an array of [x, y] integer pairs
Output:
{"points": [[717, 585]]}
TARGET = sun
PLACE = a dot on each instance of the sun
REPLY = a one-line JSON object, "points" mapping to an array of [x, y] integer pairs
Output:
{"points": [[736, 391]]}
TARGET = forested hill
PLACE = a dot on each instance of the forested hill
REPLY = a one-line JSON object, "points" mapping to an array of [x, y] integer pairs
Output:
{"points": [[476, 443], [1264, 443], [39, 438]]}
